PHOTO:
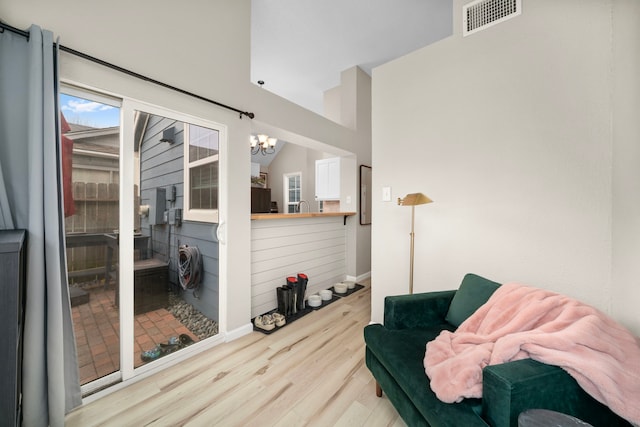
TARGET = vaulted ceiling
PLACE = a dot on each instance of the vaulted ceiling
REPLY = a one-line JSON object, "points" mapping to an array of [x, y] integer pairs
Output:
{"points": [[300, 47]]}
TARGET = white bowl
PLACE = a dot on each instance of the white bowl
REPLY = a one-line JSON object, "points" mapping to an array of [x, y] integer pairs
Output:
{"points": [[314, 301], [350, 284], [326, 294], [340, 288]]}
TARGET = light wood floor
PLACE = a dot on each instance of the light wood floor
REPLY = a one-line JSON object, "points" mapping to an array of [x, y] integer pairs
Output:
{"points": [[311, 372]]}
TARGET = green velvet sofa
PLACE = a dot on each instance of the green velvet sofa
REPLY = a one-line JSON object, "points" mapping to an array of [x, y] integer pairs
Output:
{"points": [[395, 353]]}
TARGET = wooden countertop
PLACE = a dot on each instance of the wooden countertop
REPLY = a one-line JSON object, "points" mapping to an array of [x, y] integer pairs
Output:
{"points": [[299, 215]]}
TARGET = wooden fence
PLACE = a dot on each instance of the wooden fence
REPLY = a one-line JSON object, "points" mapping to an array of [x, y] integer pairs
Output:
{"points": [[97, 206]]}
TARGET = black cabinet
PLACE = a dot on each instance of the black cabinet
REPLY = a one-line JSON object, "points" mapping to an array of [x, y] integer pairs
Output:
{"points": [[150, 285], [151, 279], [12, 268], [260, 200]]}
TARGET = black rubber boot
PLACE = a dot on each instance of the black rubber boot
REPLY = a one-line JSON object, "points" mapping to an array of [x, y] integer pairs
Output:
{"points": [[292, 282], [286, 297], [302, 288], [280, 297]]}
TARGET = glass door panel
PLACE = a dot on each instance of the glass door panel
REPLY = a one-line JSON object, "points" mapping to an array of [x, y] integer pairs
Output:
{"points": [[141, 213], [90, 127], [175, 284]]}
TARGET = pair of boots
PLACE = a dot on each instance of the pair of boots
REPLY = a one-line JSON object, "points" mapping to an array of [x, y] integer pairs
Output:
{"points": [[291, 296]]}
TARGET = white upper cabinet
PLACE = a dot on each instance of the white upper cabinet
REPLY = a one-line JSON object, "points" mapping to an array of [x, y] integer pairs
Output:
{"points": [[328, 179]]}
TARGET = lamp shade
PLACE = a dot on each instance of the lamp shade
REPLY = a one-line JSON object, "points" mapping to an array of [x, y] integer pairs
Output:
{"points": [[414, 199]]}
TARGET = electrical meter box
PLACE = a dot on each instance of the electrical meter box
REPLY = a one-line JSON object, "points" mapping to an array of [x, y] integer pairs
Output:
{"points": [[175, 216], [157, 206]]}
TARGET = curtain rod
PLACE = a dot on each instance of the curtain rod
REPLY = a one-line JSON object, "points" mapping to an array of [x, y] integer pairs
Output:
{"points": [[82, 55]]}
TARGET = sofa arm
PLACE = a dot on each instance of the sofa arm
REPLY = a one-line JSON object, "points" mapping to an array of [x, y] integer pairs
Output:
{"points": [[417, 310], [513, 387]]}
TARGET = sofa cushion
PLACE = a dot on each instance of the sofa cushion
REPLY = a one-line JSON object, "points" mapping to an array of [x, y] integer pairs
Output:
{"points": [[401, 353], [474, 291]]}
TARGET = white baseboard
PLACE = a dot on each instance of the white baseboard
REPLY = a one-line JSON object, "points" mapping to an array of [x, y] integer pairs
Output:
{"points": [[239, 332], [360, 277]]}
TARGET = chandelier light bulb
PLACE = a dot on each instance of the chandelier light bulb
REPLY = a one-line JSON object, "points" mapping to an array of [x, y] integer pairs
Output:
{"points": [[263, 144]]}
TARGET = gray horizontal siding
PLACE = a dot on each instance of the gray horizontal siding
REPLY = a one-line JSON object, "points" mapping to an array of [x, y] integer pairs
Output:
{"points": [[161, 166]]}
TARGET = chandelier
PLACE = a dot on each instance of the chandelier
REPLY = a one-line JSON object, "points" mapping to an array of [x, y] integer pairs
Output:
{"points": [[263, 144]]}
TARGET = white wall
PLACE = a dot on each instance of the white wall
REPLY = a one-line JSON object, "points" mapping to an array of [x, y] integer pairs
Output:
{"points": [[331, 103], [350, 105], [509, 131], [626, 161], [294, 158], [203, 48]]}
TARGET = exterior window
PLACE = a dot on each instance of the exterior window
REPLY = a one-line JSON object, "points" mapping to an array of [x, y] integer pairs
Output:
{"points": [[202, 152], [292, 191]]}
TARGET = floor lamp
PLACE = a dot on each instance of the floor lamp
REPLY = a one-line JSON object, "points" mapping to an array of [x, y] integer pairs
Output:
{"points": [[413, 200]]}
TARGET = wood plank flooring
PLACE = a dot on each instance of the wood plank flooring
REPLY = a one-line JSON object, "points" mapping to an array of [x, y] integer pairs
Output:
{"points": [[310, 373]]}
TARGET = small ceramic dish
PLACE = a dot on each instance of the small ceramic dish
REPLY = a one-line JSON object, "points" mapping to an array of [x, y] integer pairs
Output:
{"points": [[314, 300], [340, 288], [326, 294], [350, 284]]}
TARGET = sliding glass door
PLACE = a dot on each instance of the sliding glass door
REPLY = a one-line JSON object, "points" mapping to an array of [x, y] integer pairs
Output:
{"points": [[176, 278], [142, 218]]}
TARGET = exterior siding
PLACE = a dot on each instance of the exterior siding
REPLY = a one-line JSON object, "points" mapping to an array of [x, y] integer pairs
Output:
{"points": [[161, 166]]}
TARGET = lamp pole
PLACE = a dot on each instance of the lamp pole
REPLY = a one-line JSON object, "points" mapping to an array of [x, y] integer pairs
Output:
{"points": [[412, 200], [412, 234]]}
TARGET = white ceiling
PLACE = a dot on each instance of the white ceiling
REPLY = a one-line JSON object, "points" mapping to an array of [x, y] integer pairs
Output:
{"points": [[300, 47]]}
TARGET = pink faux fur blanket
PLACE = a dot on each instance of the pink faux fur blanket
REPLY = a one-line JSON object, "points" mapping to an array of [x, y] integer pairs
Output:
{"points": [[520, 322]]}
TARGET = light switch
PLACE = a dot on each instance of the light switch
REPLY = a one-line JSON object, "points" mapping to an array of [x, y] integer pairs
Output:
{"points": [[386, 194]]}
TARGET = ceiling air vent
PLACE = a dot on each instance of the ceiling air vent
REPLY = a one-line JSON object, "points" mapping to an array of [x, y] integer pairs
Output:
{"points": [[481, 14]]}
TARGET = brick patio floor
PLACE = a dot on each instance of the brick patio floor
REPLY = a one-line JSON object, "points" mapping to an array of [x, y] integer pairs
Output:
{"points": [[97, 329]]}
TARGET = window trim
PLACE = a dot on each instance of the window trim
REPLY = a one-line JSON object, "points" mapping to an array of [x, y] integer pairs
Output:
{"points": [[285, 185], [201, 215]]}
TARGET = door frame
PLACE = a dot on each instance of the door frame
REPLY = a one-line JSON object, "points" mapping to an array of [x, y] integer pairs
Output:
{"points": [[127, 373], [129, 106]]}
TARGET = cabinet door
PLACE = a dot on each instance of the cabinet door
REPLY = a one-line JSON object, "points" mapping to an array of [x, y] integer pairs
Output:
{"points": [[260, 200], [12, 267], [328, 179]]}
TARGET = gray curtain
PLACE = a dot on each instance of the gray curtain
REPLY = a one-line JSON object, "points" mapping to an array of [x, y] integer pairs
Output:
{"points": [[31, 198]]}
